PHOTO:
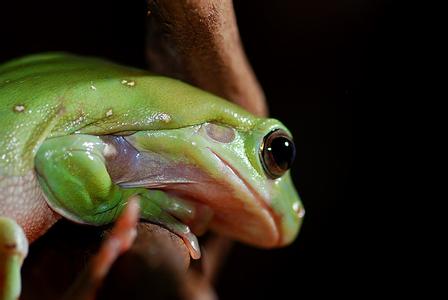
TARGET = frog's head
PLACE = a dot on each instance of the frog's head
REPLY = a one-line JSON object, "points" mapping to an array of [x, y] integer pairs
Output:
{"points": [[242, 175]]}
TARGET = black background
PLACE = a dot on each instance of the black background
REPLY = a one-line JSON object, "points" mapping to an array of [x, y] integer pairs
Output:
{"points": [[316, 60]]}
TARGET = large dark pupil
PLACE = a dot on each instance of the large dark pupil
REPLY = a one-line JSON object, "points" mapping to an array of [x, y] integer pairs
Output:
{"points": [[283, 151]]}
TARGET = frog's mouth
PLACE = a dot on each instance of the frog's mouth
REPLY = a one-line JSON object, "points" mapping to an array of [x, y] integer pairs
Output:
{"points": [[228, 205]]}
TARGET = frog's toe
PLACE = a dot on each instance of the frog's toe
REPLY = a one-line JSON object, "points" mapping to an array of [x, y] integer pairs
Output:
{"points": [[195, 215], [13, 250], [157, 211]]}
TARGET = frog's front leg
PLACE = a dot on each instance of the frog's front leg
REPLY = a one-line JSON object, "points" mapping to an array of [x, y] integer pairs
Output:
{"points": [[73, 174], [13, 250]]}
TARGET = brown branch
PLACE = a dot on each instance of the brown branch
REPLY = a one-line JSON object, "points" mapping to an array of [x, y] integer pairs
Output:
{"points": [[57, 266], [153, 268], [198, 41]]}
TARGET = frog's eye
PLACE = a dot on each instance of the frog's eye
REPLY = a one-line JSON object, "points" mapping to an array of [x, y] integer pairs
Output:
{"points": [[277, 153]]}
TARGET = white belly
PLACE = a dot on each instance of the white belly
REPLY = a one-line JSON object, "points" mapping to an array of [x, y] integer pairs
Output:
{"points": [[22, 199]]}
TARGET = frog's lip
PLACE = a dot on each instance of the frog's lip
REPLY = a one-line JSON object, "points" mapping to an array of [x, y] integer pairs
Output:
{"points": [[276, 219]]}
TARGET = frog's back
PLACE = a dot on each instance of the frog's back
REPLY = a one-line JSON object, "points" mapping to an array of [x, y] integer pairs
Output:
{"points": [[37, 95]]}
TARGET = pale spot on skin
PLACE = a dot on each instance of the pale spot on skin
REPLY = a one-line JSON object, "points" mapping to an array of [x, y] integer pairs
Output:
{"points": [[19, 108], [165, 118], [129, 83], [301, 212], [220, 133], [93, 87], [109, 113], [161, 117], [109, 150], [298, 209]]}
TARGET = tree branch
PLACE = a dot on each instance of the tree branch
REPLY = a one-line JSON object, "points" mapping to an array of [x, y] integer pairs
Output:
{"points": [[198, 41]]}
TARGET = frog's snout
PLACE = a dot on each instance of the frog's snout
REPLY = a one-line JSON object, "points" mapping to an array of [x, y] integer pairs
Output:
{"points": [[289, 210]]}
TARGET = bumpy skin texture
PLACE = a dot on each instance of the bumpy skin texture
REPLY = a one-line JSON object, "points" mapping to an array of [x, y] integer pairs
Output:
{"points": [[21, 199]]}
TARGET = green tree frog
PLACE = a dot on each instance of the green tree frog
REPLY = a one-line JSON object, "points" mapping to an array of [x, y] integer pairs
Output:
{"points": [[80, 136]]}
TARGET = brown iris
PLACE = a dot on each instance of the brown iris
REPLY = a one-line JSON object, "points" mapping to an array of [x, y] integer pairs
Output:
{"points": [[277, 153]]}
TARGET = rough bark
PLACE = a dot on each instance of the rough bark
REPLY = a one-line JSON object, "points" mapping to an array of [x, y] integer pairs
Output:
{"points": [[198, 41]]}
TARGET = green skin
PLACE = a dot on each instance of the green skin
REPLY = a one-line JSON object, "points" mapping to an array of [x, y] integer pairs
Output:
{"points": [[55, 110]]}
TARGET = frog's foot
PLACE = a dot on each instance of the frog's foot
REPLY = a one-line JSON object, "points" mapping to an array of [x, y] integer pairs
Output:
{"points": [[13, 250], [119, 240], [178, 216], [197, 216]]}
